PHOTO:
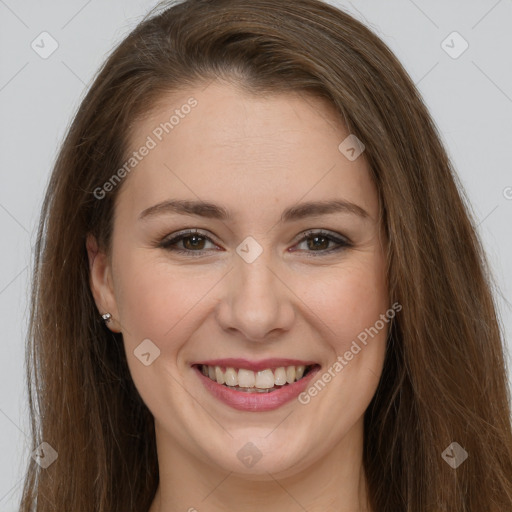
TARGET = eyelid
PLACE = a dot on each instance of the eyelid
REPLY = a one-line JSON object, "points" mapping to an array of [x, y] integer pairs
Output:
{"points": [[324, 232], [177, 237], [342, 241]]}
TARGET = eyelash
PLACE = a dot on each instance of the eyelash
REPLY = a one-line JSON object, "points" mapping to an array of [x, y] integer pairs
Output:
{"points": [[167, 244]]}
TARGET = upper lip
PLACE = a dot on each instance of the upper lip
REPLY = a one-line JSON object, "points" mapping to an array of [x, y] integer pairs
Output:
{"points": [[255, 366]]}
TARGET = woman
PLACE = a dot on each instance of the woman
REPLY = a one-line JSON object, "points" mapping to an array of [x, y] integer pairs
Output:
{"points": [[257, 284]]}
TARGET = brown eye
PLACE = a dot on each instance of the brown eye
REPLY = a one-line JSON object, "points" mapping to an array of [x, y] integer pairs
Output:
{"points": [[195, 243], [320, 242], [191, 242]]}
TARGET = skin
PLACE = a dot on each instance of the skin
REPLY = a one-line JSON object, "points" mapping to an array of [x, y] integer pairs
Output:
{"points": [[254, 156]]}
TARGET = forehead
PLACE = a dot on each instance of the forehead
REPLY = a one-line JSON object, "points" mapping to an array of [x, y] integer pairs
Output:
{"points": [[244, 150]]}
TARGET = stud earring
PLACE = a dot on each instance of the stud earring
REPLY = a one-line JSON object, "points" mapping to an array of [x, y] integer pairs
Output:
{"points": [[107, 317]]}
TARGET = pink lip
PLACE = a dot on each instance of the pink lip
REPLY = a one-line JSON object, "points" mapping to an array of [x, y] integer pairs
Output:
{"points": [[256, 402], [255, 366]]}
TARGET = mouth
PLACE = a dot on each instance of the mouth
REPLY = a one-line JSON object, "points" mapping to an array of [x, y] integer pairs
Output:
{"points": [[263, 387], [249, 381]]}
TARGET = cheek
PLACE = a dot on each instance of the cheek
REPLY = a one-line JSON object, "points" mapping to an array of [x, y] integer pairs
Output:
{"points": [[362, 301], [351, 312], [157, 300], [347, 302]]}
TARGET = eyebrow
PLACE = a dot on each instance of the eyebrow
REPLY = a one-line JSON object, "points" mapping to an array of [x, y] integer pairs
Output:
{"points": [[213, 211]]}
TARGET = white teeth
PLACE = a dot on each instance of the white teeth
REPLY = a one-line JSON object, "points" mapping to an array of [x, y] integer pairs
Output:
{"points": [[246, 378], [280, 376], [231, 377], [219, 376], [290, 374], [264, 379]]}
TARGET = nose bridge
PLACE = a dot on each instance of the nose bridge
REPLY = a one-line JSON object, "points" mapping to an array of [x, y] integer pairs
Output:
{"points": [[255, 301]]}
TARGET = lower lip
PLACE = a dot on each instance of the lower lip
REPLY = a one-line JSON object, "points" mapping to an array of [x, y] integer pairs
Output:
{"points": [[256, 402]]}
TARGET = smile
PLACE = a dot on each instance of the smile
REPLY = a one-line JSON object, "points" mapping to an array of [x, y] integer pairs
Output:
{"points": [[258, 388], [248, 381]]}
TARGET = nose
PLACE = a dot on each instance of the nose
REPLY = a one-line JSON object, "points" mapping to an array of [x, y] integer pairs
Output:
{"points": [[256, 301]]}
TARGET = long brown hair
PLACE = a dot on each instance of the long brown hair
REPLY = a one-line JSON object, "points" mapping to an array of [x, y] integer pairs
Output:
{"points": [[444, 377]]}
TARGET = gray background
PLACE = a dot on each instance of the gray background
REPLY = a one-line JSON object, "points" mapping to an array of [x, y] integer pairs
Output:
{"points": [[470, 98]]}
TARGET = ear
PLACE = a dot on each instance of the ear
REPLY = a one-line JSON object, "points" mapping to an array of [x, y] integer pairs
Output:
{"points": [[101, 283]]}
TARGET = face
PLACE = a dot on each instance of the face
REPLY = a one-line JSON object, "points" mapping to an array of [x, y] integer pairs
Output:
{"points": [[267, 287]]}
